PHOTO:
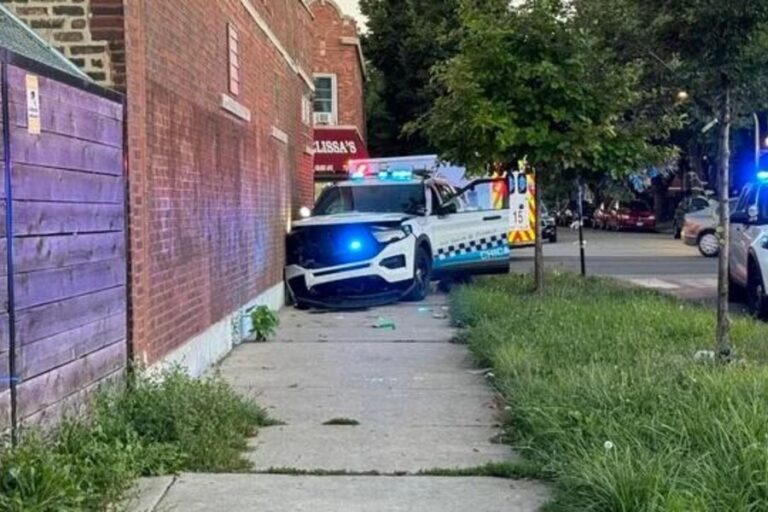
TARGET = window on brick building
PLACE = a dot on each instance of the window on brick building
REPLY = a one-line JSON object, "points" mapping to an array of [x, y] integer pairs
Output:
{"points": [[325, 104], [306, 110], [234, 59]]}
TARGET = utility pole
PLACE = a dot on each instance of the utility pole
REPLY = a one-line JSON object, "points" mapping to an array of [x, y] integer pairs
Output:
{"points": [[582, 254]]}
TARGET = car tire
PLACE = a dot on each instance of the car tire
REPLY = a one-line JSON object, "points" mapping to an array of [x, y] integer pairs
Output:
{"points": [[553, 239], [757, 303], [677, 233], [735, 290], [708, 245], [422, 276]]}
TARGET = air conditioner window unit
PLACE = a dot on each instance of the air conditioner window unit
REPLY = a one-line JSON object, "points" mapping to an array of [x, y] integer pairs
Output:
{"points": [[323, 118]]}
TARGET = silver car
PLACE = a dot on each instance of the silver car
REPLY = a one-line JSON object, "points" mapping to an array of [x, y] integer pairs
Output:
{"points": [[700, 230]]}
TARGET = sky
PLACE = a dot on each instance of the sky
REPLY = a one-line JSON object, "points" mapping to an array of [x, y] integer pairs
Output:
{"points": [[351, 7]]}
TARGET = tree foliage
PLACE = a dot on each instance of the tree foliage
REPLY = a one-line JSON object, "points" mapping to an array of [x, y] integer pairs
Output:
{"points": [[405, 39], [529, 81]]}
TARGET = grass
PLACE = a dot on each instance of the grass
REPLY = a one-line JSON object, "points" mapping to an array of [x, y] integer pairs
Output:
{"points": [[511, 470], [153, 426], [605, 394], [348, 422]]}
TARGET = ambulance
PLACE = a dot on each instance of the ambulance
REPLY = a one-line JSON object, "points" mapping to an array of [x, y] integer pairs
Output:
{"points": [[397, 224]]}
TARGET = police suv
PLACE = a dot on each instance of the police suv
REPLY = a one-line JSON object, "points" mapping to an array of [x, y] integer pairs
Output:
{"points": [[381, 237], [748, 269]]}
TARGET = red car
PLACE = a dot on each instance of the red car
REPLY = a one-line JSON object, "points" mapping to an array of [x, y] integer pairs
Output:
{"points": [[626, 215]]}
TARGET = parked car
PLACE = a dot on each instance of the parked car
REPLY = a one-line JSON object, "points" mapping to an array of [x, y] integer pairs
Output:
{"points": [[699, 229], [600, 216], [689, 204], [626, 215], [748, 266], [548, 225]]}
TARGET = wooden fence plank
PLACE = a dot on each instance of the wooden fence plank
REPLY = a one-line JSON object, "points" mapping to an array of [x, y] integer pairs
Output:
{"points": [[3, 258], [69, 119], [5, 411], [73, 405], [46, 286], [61, 152], [2, 217], [52, 90], [49, 252], [44, 321], [3, 296], [49, 353], [50, 388], [33, 218], [33, 183], [4, 333]]}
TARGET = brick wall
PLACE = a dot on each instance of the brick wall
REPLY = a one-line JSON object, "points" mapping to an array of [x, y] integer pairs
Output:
{"points": [[336, 52], [211, 194], [89, 32]]}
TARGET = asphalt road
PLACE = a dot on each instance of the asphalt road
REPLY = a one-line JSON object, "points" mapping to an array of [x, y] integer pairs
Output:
{"points": [[653, 260]]}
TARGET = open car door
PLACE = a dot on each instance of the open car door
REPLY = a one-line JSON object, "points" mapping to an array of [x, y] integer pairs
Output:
{"points": [[471, 229]]}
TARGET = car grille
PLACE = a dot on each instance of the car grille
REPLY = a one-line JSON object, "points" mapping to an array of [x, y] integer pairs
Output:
{"points": [[317, 247]]}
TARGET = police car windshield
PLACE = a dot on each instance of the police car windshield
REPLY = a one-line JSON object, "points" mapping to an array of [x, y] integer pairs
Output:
{"points": [[405, 198]]}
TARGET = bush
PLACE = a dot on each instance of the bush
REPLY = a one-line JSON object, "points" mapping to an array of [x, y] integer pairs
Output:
{"points": [[264, 322], [605, 393], [154, 425]]}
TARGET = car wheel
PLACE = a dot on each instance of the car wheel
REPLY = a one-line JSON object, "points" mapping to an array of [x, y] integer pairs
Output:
{"points": [[756, 300], [422, 276], [676, 231], [553, 239], [709, 245]]}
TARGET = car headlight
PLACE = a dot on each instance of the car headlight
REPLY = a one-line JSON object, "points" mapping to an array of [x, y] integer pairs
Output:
{"points": [[390, 235], [764, 242]]}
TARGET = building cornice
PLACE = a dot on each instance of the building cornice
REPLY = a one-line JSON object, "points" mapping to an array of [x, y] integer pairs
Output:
{"points": [[355, 41]]}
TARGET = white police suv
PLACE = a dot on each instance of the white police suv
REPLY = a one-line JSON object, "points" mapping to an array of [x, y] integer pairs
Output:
{"points": [[376, 239], [748, 269]]}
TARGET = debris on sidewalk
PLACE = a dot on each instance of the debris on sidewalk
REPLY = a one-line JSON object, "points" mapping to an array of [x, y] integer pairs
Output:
{"points": [[384, 323], [440, 316]]}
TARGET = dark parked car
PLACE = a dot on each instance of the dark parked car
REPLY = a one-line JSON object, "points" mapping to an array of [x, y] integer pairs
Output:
{"points": [[627, 215], [569, 213], [548, 224], [689, 204]]}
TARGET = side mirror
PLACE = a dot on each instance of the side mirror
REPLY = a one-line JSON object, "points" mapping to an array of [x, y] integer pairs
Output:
{"points": [[739, 218], [421, 211], [447, 209], [753, 212]]}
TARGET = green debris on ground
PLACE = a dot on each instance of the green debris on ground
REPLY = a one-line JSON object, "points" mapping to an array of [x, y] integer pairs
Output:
{"points": [[605, 394]]}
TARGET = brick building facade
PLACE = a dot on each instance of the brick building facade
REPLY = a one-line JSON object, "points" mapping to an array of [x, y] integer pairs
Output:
{"points": [[219, 153], [339, 104]]}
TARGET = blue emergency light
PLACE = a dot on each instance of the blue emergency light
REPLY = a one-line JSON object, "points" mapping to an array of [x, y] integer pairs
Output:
{"points": [[355, 245], [762, 175]]}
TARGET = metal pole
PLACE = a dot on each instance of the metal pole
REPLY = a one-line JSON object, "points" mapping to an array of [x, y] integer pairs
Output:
{"points": [[757, 141], [582, 255], [9, 254]]}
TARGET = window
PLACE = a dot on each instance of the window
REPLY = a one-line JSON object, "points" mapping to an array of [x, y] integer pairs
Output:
{"points": [[233, 39], [325, 96], [306, 110], [408, 199]]}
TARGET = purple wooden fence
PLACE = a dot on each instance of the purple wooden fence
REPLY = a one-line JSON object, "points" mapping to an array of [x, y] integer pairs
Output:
{"points": [[69, 250]]}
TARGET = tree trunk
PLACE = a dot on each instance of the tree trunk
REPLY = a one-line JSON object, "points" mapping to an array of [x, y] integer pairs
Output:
{"points": [[724, 348], [539, 246]]}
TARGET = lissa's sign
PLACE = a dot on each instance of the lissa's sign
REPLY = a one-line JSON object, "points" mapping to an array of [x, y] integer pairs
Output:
{"points": [[335, 147]]}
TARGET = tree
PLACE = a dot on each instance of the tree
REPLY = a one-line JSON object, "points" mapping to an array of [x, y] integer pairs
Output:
{"points": [[529, 82], [405, 39], [718, 50]]}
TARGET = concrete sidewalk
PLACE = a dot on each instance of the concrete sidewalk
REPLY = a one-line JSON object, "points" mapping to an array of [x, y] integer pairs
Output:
{"points": [[417, 400]]}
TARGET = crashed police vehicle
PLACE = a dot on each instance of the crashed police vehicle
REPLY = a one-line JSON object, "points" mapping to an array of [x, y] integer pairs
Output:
{"points": [[384, 235]]}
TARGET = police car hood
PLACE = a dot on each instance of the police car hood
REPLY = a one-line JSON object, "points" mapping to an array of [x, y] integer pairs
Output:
{"points": [[352, 218]]}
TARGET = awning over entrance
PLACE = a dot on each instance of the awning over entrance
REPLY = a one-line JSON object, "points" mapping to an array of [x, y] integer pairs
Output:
{"points": [[335, 146]]}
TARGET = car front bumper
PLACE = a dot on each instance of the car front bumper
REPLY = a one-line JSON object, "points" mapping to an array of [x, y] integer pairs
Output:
{"points": [[380, 280]]}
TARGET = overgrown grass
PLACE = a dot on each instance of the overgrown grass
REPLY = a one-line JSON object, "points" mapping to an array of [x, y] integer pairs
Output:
{"points": [[153, 426], [605, 394]]}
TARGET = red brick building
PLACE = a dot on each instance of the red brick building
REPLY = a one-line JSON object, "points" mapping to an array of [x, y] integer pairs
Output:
{"points": [[339, 105], [219, 153]]}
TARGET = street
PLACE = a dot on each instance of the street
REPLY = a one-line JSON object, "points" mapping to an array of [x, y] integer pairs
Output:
{"points": [[652, 260]]}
